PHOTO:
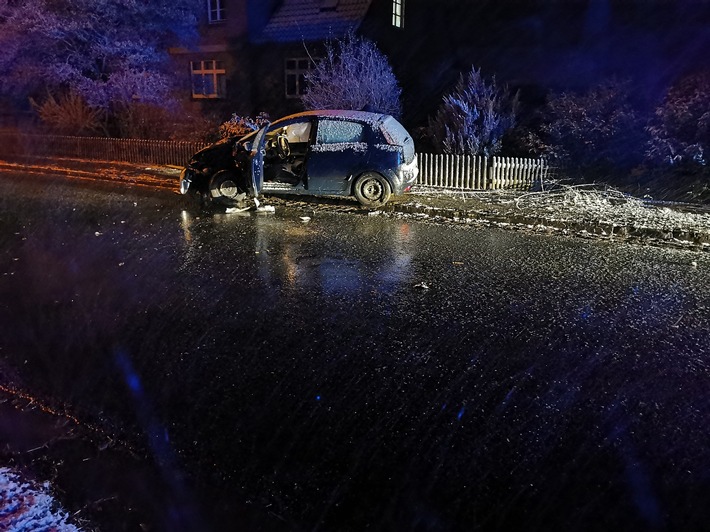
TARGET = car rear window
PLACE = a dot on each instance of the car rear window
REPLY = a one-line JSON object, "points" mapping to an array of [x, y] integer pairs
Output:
{"points": [[396, 134]]}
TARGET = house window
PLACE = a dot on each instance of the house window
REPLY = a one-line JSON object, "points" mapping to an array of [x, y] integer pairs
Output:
{"points": [[296, 70], [209, 79], [215, 10], [398, 13]]}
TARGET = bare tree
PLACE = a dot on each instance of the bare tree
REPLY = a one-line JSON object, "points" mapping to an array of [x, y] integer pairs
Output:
{"points": [[353, 75]]}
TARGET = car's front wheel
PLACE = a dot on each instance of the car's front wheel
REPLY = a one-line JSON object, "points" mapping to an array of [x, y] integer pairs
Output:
{"points": [[224, 189], [372, 190]]}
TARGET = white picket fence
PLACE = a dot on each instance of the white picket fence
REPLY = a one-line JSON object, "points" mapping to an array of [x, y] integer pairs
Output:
{"points": [[476, 172]]}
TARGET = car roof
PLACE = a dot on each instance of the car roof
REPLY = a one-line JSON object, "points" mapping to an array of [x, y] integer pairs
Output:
{"points": [[342, 114]]}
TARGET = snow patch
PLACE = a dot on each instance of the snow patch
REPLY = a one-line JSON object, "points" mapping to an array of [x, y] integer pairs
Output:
{"points": [[338, 147]]}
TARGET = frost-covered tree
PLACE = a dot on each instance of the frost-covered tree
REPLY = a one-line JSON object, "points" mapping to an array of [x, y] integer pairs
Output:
{"points": [[354, 75], [680, 130], [108, 52], [600, 128], [473, 118]]}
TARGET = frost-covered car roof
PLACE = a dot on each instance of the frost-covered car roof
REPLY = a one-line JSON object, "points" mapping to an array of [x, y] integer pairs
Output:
{"points": [[362, 116]]}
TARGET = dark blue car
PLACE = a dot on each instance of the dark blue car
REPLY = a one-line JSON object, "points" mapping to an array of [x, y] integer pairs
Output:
{"points": [[324, 153]]}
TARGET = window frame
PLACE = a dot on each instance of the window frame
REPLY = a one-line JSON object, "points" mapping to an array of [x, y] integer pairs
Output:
{"points": [[297, 73], [218, 74], [398, 13], [216, 12]]}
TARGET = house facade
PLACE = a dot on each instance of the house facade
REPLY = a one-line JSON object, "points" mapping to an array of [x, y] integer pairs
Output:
{"points": [[254, 55], [217, 72]]}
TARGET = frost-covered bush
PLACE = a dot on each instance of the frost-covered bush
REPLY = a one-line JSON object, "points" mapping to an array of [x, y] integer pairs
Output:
{"points": [[680, 129], [353, 75], [27, 507], [600, 128], [473, 118], [238, 126]]}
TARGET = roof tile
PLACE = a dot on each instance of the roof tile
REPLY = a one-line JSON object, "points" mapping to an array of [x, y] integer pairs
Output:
{"points": [[314, 20]]}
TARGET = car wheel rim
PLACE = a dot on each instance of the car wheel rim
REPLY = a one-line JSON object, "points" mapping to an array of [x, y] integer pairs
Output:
{"points": [[228, 188], [372, 190]]}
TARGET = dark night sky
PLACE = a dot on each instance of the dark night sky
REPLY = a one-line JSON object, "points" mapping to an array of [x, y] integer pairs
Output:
{"points": [[550, 44]]}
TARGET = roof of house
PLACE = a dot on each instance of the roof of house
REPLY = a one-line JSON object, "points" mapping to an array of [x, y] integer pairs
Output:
{"points": [[314, 20]]}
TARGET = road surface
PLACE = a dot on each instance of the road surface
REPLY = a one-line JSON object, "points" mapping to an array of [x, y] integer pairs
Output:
{"points": [[339, 371]]}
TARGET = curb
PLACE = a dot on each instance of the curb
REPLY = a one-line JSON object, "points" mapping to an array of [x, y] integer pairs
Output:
{"points": [[677, 238]]}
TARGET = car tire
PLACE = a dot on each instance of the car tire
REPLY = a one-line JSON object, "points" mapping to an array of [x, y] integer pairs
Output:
{"points": [[372, 190], [224, 189]]}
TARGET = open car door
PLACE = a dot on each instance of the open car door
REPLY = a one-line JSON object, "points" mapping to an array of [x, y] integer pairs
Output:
{"points": [[257, 161]]}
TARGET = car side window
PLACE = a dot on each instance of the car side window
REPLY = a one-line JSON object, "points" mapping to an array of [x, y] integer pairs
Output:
{"points": [[339, 132]]}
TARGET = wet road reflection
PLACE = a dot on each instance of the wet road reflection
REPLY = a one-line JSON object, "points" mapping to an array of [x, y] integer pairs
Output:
{"points": [[355, 372]]}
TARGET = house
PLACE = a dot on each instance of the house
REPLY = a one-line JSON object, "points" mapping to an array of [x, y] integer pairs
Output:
{"points": [[253, 55]]}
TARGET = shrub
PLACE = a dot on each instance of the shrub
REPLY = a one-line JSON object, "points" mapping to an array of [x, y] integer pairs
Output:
{"points": [[139, 120], [238, 126], [353, 75], [680, 130], [70, 115], [598, 129], [474, 117], [194, 126]]}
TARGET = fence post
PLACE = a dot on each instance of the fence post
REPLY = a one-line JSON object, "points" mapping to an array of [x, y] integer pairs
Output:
{"points": [[493, 173]]}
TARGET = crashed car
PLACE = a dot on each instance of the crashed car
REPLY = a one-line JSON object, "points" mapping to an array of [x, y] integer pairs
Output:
{"points": [[369, 156]]}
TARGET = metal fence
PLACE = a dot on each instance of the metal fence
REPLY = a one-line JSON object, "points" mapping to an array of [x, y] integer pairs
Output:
{"points": [[463, 172], [99, 148]]}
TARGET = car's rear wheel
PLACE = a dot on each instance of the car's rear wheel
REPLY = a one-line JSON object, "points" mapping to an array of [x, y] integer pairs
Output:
{"points": [[372, 190], [224, 189]]}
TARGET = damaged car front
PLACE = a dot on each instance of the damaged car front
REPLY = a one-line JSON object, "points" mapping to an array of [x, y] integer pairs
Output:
{"points": [[225, 172]]}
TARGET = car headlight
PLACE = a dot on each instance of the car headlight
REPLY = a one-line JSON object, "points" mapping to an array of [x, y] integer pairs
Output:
{"points": [[185, 180]]}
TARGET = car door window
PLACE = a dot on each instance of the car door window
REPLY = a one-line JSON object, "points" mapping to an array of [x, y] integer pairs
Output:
{"points": [[339, 132]]}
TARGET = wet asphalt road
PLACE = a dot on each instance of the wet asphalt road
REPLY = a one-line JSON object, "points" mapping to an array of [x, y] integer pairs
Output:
{"points": [[361, 373]]}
